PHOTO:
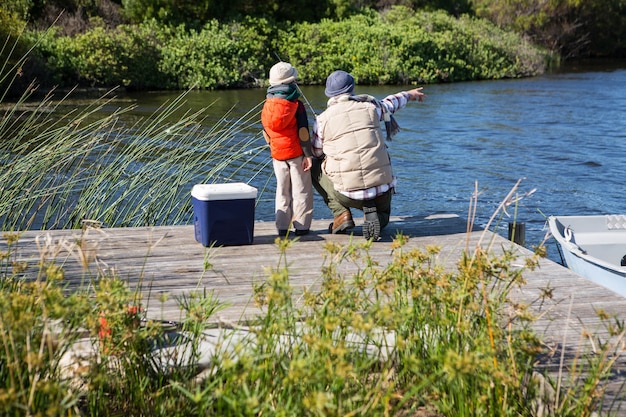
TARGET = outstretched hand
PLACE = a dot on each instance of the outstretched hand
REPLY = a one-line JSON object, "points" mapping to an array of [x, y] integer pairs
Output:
{"points": [[416, 94]]}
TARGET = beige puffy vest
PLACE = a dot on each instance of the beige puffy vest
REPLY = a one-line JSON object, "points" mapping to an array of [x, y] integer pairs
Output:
{"points": [[356, 154]]}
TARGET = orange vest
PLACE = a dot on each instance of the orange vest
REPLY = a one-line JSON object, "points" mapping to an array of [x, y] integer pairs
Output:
{"points": [[279, 122]]}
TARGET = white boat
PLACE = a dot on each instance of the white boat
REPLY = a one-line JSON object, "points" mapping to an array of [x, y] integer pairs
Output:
{"points": [[593, 247]]}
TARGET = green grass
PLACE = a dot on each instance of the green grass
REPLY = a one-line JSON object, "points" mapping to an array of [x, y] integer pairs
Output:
{"points": [[389, 339]]}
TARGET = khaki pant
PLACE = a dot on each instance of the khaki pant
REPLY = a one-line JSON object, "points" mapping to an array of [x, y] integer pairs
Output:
{"points": [[338, 203], [294, 195]]}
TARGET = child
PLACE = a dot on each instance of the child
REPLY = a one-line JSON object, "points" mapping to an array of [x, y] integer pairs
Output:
{"points": [[286, 129]]}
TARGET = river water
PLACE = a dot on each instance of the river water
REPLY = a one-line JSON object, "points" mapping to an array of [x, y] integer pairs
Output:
{"points": [[563, 134]]}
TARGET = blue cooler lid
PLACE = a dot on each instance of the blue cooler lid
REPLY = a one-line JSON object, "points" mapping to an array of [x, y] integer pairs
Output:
{"points": [[232, 191]]}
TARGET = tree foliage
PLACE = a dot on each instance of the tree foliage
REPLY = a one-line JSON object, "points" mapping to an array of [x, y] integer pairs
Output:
{"points": [[195, 14], [399, 47], [572, 28], [402, 47], [112, 32]]}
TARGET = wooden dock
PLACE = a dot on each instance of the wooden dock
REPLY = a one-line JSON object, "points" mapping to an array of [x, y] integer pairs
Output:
{"points": [[167, 263]]}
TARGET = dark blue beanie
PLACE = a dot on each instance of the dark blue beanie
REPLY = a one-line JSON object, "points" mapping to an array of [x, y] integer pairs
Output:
{"points": [[339, 82]]}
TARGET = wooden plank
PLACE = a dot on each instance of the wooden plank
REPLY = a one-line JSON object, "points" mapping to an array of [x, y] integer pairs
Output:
{"points": [[169, 259]]}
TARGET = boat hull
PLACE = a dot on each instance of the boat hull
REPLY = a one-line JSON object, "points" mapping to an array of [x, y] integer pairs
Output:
{"points": [[593, 247]]}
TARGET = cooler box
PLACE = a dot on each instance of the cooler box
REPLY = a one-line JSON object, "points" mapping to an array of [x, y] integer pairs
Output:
{"points": [[223, 213]]}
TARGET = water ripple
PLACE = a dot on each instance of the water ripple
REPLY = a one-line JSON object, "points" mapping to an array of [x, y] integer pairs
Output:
{"points": [[566, 144]]}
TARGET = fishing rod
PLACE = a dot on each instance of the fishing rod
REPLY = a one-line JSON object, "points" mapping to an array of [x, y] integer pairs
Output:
{"points": [[306, 100], [300, 91]]}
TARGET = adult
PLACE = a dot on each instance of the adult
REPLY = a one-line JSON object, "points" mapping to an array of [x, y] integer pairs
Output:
{"points": [[352, 168]]}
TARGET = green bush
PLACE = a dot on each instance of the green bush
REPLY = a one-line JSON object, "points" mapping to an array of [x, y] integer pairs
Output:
{"points": [[141, 46], [399, 47], [153, 56], [217, 56], [127, 56], [199, 59]]}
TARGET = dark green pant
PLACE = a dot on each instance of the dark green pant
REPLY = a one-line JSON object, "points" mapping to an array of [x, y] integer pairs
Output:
{"points": [[338, 203]]}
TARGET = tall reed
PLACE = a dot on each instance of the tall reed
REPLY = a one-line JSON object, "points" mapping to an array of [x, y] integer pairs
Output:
{"points": [[91, 165]]}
